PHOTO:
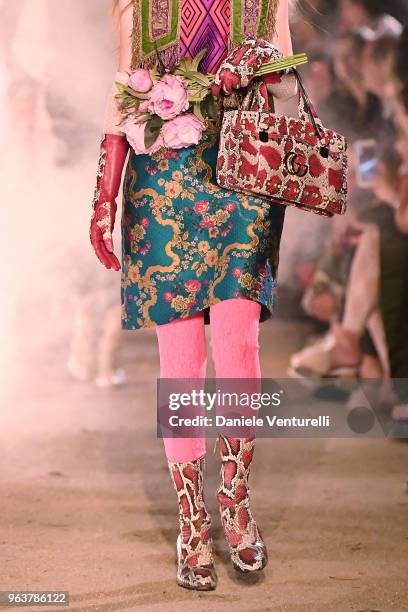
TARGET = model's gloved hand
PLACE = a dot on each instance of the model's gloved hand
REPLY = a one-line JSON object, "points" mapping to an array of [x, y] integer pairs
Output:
{"points": [[113, 153], [240, 66]]}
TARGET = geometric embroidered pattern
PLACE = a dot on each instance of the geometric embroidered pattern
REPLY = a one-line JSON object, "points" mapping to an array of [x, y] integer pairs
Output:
{"points": [[205, 24]]}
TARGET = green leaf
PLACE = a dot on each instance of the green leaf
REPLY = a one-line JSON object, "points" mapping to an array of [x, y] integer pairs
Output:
{"points": [[142, 118], [136, 94], [197, 77], [150, 137], [197, 59], [154, 74], [213, 109], [197, 110], [195, 99], [183, 65], [208, 107], [152, 130], [202, 79], [196, 94], [156, 121]]}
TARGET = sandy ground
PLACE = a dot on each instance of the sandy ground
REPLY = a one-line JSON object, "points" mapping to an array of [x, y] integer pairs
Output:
{"points": [[87, 505]]}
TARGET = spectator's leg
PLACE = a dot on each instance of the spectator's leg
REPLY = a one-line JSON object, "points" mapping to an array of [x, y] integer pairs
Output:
{"points": [[361, 297], [340, 349], [363, 286], [376, 328]]}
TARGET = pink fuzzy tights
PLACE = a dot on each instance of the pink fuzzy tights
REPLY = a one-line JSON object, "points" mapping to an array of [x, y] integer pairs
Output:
{"points": [[234, 330]]}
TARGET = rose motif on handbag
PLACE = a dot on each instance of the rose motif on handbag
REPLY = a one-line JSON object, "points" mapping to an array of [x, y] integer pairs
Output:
{"points": [[295, 161]]}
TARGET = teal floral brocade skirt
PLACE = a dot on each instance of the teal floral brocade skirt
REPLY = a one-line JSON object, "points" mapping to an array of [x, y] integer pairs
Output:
{"points": [[188, 243]]}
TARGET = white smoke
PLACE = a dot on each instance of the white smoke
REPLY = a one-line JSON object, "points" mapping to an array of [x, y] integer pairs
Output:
{"points": [[57, 62]]}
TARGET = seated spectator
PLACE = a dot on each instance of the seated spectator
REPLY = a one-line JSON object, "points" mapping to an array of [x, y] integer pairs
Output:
{"points": [[400, 68], [331, 96], [376, 296], [401, 118], [369, 16], [377, 67], [363, 108]]}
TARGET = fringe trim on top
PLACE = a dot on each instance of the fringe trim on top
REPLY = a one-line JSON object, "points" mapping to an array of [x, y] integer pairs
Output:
{"points": [[168, 54], [270, 24]]}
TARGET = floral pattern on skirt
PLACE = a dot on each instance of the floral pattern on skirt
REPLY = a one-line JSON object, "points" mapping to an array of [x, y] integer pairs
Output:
{"points": [[188, 243]]}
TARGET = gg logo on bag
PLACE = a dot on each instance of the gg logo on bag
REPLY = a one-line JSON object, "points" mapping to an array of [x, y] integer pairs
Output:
{"points": [[295, 164]]}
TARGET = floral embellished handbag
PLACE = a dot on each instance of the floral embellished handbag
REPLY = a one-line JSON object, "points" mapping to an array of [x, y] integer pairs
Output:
{"points": [[294, 161]]}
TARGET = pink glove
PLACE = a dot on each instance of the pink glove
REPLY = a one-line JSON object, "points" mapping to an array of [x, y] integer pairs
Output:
{"points": [[112, 158], [240, 66]]}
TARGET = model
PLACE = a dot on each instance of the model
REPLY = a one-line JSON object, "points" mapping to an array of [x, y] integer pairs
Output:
{"points": [[194, 253]]}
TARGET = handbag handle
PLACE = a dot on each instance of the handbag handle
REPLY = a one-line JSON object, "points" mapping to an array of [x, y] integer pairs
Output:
{"points": [[254, 100], [305, 106]]}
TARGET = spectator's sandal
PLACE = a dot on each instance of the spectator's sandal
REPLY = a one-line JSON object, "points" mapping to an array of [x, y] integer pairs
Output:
{"points": [[316, 361]]}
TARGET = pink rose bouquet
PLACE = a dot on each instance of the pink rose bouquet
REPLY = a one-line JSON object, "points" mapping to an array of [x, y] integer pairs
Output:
{"points": [[166, 109]]}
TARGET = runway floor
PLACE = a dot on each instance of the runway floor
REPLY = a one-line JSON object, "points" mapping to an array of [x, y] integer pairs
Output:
{"points": [[87, 505]]}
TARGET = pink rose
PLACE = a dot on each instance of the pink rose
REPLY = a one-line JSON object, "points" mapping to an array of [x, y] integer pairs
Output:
{"points": [[140, 80], [236, 272], [230, 206], [145, 222], [135, 135], [183, 131], [192, 286], [168, 97], [201, 206]]}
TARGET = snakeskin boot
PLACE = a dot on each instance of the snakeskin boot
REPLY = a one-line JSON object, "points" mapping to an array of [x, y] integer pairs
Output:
{"points": [[247, 548], [195, 557]]}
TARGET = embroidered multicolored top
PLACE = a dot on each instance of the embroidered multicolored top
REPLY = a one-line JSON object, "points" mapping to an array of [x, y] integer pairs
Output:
{"points": [[178, 28]]}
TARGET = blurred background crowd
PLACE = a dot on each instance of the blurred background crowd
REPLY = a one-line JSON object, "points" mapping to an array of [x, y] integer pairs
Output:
{"points": [[351, 281], [346, 277]]}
